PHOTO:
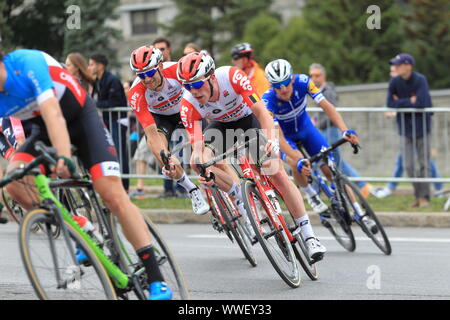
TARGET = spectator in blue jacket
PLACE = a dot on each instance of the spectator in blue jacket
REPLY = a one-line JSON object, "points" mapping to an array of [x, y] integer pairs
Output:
{"points": [[410, 90], [109, 93]]}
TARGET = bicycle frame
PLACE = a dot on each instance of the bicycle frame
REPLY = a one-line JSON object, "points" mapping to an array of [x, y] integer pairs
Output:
{"points": [[45, 194], [263, 184]]}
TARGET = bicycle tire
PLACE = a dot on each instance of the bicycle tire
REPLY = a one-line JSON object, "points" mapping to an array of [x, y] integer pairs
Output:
{"points": [[382, 243], [9, 205], [15, 211], [235, 227], [173, 274], [299, 247], [286, 253], [44, 217], [217, 224]]}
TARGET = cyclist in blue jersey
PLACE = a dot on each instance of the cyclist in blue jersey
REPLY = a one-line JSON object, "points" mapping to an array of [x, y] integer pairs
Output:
{"points": [[35, 87], [286, 100]]}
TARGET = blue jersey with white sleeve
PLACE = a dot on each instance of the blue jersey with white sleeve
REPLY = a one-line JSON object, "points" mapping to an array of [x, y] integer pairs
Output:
{"points": [[292, 117]]}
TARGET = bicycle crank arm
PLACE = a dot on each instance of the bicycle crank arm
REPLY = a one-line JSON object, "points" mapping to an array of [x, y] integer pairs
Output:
{"points": [[272, 233]]}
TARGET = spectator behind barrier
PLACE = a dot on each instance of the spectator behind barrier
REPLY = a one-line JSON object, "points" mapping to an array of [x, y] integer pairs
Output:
{"points": [[109, 93], [410, 90]]}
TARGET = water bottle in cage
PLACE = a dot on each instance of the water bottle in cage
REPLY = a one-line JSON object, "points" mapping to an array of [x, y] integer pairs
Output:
{"points": [[89, 228]]}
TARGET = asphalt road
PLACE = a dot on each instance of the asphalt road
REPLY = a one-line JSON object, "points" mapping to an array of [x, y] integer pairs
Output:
{"points": [[215, 268]]}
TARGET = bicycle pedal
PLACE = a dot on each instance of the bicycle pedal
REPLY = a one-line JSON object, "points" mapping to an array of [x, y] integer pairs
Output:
{"points": [[319, 256]]}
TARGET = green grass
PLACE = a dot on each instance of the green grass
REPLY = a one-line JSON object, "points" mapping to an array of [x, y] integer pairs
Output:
{"points": [[391, 204], [165, 203], [403, 203], [152, 182]]}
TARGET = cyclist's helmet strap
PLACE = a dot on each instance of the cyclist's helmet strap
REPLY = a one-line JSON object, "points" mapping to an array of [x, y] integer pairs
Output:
{"points": [[145, 58], [278, 71]]}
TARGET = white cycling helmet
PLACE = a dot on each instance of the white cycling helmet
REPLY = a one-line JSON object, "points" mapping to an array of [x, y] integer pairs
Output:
{"points": [[278, 71]]}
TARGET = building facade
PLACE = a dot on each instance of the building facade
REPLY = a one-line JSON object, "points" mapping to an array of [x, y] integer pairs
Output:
{"points": [[142, 20]]}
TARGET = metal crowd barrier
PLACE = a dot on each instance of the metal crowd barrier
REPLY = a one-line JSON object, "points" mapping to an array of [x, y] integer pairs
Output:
{"points": [[381, 139]]}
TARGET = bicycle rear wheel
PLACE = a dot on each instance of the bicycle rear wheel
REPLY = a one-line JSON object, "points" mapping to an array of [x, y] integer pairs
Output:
{"points": [[273, 240], [336, 221], [169, 267], [44, 257], [376, 233], [236, 226]]}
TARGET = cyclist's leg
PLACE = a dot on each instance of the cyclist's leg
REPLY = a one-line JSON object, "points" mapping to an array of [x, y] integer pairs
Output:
{"points": [[97, 152]]}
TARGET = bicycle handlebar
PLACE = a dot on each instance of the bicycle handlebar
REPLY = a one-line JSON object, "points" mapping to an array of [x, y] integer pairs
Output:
{"points": [[226, 154], [335, 145], [165, 157], [47, 155]]}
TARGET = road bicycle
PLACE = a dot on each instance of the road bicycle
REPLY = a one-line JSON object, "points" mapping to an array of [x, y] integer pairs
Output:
{"points": [[263, 203], [224, 215], [341, 197], [111, 270]]}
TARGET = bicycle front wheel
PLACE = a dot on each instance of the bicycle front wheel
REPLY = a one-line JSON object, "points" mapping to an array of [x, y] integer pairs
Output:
{"points": [[167, 263], [273, 239], [50, 266], [375, 231], [236, 227], [299, 246]]}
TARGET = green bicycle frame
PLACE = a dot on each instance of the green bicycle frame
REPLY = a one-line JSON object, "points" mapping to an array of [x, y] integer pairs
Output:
{"points": [[119, 278]]}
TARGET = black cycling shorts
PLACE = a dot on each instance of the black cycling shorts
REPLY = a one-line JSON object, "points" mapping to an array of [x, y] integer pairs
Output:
{"points": [[222, 136], [95, 146]]}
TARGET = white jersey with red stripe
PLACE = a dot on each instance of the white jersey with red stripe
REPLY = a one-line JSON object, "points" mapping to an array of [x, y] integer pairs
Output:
{"points": [[144, 102], [236, 96]]}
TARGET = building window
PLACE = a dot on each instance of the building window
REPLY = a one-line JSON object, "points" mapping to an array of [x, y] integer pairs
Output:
{"points": [[143, 21]]}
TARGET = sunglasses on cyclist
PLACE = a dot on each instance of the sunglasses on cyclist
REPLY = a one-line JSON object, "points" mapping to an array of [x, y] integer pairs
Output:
{"points": [[196, 85], [149, 74], [284, 83]]}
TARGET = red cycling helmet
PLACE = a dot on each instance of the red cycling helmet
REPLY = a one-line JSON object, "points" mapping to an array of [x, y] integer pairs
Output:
{"points": [[145, 58], [195, 65]]}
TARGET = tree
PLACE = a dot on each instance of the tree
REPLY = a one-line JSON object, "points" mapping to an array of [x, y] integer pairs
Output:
{"points": [[335, 33], [37, 26], [5, 30], [258, 32], [92, 34], [427, 29], [214, 24]]}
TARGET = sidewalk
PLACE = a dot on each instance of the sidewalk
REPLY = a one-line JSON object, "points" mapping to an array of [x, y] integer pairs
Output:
{"points": [[388, 219]]}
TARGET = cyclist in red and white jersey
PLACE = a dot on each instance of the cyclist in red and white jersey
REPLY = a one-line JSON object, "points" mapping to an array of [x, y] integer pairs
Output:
{"points": [[155, 98], [227, 99]]}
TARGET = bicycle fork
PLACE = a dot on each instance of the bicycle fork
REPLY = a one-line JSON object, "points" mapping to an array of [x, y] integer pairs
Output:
{"points": [[75, 270]]}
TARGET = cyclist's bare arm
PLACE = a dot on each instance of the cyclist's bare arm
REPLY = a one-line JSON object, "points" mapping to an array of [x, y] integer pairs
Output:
{"points": [[336, 118], [155, 143], [333, 114], [57, 131]]}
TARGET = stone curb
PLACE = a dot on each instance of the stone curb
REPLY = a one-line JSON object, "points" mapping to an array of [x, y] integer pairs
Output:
{"points": [[388, 219]]}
